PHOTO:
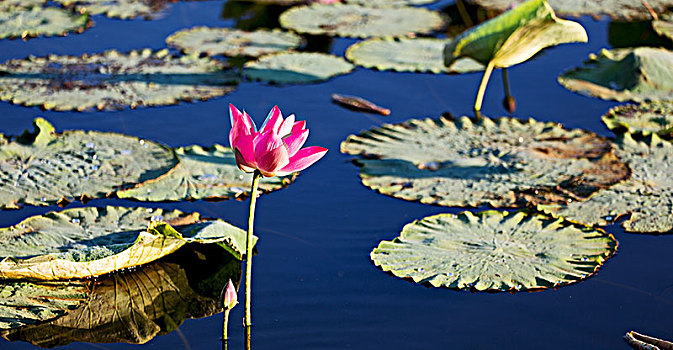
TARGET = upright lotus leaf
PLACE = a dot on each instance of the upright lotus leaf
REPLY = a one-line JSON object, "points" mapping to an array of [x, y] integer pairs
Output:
{"points": [[633, 74], [112, 80], [502, 162], [25, 23], [89, 242], [296, 67], [512, 38], [407, 55], [626, 10], [124, 9], [644, 201], [643, 119], [389, 3], [203, 173], [664, 26], [360, 22], [233, 42], [495, 251], [45, 168], [25, 303]]}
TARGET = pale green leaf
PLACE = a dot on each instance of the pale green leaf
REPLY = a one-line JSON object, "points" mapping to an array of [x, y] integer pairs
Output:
{"points": [[296, 67], [124, 9], [18, 22], [643, 119], [233, 42], [625, 10], [25, 303]]}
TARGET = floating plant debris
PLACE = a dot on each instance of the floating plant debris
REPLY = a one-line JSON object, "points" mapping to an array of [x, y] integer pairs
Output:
{"points": [[360, 104], [643, 342]]}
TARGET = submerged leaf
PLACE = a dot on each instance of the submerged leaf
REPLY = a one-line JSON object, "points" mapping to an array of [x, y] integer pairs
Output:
{"points": [[503, 162], [626, 10], [17, 22], [44, 168], [495, 251], [643, 119], [634, 74], [515, 36], [88, 242], [233, 42], [296, 67], [360, 22], [112, 80], [203, 173]]}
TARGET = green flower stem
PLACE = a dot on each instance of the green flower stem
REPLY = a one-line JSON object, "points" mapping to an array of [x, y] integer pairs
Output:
{"points": [[225, 325], [247, 338], [248, 248], [482, 86]]}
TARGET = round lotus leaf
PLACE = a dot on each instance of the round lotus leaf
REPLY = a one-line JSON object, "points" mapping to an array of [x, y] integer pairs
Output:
{"points": [[20, 22], [407, 55], [25, 303], [618, 9], [360, 22], [502, 162], [11, 4], [44, 168], [643, 119], [112, 80], [296, 67], [203, 173], [664, 26], [124, 9], [644, 201], [390, 3], [495, 251], [633, 74], [88, 242], [233, 42]]}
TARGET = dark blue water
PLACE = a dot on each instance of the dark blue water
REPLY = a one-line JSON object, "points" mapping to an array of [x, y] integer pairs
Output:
{"points": [[314, 286]]}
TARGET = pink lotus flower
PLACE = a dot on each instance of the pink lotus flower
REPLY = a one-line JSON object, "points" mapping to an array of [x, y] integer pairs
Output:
{"points": [[276, 148], [229, 296]]}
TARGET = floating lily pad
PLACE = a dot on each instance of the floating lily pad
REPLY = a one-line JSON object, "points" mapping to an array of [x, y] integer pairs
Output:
{"points": [[634, 74], [503, 162], [112, 80], [89, 242], [18, 22], [644, 119], [203, 173], [124, 9], [233, 42], [644, 201], [664, 26], [296, 67], [620, 9], [12, 4], [360, 22], [135, 306], [45, 168], [390, 3], [495, 251], [25, 303], [407, 55]]}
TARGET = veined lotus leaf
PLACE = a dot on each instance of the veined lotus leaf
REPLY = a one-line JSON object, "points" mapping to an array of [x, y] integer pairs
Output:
{"points": [[514, 36], [407, 55], [124, 9], [233, 42], [633, 74], [112, 80], [296, 67], [88, 242], [664, 25], [135, 306], [647, 196], [25, 303], [44, 168], [619, 9], [502, 162], [390, 3], [360, 22], [203, 173], [18, 22], [645, 118], [495, 251]]}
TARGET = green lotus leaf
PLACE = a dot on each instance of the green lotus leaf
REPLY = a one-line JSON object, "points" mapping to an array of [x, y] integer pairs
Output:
{"points": [[495, 251], [6, 5], [407, 55], [89, 242], [124, 9], [135, 306], [643, 119], [360, 22], [619, 9], [645, 200], [25, 303], [515, 36], [296, 67], [18, 22], [664, 26], [112, 80], [502, 162], [45, 168], [233, 42], [203, 173], [634, 74], [390, 3]]}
